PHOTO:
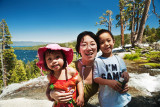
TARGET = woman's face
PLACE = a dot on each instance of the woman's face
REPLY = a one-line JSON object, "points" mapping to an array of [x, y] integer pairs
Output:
{"points": [[88, 48]]}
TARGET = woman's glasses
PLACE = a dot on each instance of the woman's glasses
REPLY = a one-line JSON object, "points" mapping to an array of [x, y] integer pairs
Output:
{"points": [[85, 46]]}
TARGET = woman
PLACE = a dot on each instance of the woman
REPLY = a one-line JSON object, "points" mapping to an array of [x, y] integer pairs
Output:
{"points": [[87, 47]]}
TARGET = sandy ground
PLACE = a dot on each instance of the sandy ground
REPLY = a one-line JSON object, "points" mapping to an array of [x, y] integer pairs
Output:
{"points": [[23, 102]]}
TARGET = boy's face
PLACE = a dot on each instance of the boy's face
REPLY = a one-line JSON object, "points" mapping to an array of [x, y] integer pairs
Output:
{"points": [[54, 60], [106, 43]]}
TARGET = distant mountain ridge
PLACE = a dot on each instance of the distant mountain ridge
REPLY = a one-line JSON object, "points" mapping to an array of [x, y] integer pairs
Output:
{"points": [[28, 43]]}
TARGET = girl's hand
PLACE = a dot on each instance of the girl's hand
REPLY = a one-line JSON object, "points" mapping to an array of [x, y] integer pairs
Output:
{"points": [[126, 88], [125, 75], [80, 101], [115, 85], [60, 96]]}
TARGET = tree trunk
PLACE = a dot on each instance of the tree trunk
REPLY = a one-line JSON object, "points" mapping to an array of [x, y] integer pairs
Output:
{"points": [[2, 60], [110, 22], [133, 26], [121, 20], [137, 26], [143, 21]]}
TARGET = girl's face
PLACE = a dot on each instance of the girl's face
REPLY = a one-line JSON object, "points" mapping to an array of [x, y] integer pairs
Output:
{"points": [[88, 48], [106, 44], [54, 60]]}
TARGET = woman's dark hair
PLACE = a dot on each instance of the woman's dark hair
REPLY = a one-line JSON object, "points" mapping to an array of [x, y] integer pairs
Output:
{"points": [[51, 51], [81, 35]]}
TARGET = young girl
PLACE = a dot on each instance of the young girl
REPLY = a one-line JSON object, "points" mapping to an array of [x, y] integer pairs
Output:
{"points": [[108, 69], [54, 58], [87, 48]]}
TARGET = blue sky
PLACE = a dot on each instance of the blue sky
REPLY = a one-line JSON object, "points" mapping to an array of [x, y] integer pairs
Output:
{"points": [[59, 20]]}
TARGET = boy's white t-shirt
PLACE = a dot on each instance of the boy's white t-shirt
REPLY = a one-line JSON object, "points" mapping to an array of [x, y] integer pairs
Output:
{"points": [[110, 68]]}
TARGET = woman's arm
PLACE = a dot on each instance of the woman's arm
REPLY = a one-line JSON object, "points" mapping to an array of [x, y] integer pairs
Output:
{"points": [[48, 93], [48, 89], [56, 95], [80, 88]]}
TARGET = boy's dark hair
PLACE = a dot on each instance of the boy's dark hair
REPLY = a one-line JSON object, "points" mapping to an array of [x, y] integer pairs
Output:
{"points": [[81, 35], [103, 31], [51, 51]]}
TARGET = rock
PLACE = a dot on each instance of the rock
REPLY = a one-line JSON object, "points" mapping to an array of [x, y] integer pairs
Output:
{"points": [[141, 101], [148, 66], [156, 46]]}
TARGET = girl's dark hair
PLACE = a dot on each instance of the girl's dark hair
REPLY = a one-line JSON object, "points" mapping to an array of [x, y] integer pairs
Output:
{"points": [[81, 35], [51, 51], [103, 31]]}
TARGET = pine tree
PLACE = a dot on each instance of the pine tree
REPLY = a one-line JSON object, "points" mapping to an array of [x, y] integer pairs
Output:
{"points": [[32, 71], [28, 70], [14, 77], [8, 61], [21, 73], [143, 21], [104, 21], [7, 51], [35, 69]]}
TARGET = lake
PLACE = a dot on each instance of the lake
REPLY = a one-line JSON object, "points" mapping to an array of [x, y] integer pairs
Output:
{"points": [[30, 55], [26, 55]]}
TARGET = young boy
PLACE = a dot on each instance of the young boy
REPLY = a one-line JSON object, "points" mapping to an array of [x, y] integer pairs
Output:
{"points": [[108, 69]]}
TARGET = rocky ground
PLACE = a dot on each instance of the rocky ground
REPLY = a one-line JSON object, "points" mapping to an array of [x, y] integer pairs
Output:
{"points": [[139, 99]]}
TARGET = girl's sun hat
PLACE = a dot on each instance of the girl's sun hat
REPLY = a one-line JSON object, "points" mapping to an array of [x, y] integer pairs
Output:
{"points": [[67, 51]]}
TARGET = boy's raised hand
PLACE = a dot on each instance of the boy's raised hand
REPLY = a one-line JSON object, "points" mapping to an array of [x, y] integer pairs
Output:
{"points": [[125, 75]]}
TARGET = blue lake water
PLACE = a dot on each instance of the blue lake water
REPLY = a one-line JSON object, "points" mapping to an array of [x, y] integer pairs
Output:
{"points": [[29, 55], [26, 55]]}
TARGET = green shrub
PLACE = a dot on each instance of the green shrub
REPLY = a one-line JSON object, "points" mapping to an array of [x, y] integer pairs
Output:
{"points": [[153, 56], [138, 50], [132, 56], [153, 65]]}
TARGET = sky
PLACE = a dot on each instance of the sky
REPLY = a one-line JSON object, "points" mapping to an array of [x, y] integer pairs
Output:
{"points": [[59, 21]]}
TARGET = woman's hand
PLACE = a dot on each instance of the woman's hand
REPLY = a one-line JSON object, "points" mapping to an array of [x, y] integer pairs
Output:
{"points": [[60, 96], [80, 100]]}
